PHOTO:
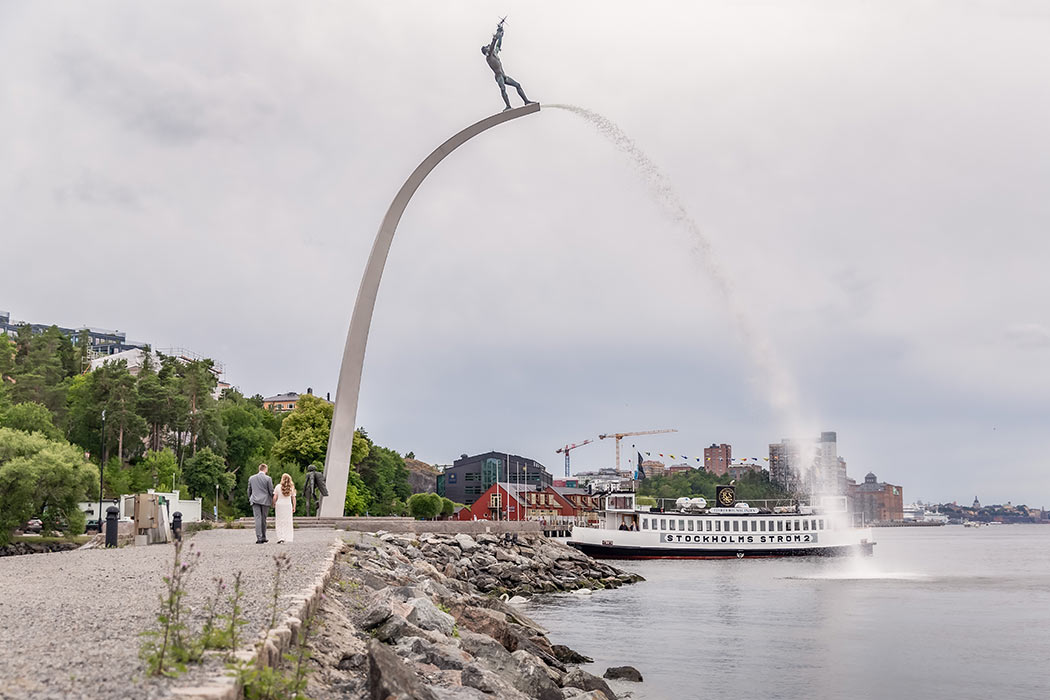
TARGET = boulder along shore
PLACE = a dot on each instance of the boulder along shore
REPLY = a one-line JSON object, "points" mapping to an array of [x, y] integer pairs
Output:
{"points": [[425, 616]]}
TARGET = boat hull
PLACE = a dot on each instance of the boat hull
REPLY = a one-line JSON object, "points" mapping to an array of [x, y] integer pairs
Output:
{"points": [[611, 551]]}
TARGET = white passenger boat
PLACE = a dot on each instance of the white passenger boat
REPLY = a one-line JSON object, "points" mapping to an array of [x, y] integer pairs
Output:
{"points": [[729, 530]]}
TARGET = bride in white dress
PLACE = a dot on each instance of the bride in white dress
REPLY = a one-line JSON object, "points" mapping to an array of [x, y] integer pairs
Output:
{"points": [[283, 507]]}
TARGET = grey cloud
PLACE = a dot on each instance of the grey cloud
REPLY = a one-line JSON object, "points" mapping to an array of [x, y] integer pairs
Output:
{"points": [[1029, 335], [167, 101], [94, 189]]}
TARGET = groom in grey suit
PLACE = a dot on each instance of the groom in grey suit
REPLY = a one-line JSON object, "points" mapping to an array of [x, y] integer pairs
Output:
{"points": [[260, 495]]}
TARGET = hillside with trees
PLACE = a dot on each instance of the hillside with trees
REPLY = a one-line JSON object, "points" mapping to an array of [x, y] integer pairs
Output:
{"points": [[754, 485], [160, 427]]}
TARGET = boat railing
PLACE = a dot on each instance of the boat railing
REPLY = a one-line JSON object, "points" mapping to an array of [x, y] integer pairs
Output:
{"points": [[771, 504]]}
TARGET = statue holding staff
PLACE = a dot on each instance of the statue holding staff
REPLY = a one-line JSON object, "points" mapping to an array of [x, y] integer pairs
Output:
{"points": [[314, 483], [502, 79]]}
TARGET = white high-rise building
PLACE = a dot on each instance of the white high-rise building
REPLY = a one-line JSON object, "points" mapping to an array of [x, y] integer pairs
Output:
{"points": [[809, 466]]}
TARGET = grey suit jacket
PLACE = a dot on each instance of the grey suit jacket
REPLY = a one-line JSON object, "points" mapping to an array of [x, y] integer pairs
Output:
{"points": [[260, 489]]}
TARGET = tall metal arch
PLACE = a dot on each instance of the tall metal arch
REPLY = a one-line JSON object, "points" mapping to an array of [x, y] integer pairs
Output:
{"points": [[341, 438]]}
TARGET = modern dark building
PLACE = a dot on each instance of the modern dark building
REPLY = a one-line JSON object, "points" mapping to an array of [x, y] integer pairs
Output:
{"points": [[469, 477], [102, 342]]}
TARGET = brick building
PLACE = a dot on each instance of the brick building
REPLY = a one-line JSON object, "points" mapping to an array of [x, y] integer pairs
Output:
{"points": [[717, 458], [877, 502]]}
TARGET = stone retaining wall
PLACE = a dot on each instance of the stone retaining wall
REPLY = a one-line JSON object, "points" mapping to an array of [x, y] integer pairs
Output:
{"points": [[410, 525], [24, 547]]}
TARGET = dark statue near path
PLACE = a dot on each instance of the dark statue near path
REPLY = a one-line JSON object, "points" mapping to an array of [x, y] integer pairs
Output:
{"points": [[502, 79], [314, 483]]}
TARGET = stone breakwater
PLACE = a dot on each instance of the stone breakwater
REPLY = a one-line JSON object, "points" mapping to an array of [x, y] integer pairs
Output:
{"points": [[425, 616]]}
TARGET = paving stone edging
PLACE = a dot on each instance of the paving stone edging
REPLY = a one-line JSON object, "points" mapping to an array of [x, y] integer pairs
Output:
{"points": [[268, 651]]}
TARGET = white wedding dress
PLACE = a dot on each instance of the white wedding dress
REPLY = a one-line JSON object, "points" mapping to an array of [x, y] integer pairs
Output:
{"points": [[282, 510]]}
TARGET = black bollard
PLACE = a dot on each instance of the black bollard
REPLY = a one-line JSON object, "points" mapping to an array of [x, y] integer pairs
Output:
{"points": [[111, 526], [176, 526]]}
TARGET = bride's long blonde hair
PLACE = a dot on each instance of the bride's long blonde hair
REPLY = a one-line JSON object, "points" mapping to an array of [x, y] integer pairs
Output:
{"points": [[286, 485]]}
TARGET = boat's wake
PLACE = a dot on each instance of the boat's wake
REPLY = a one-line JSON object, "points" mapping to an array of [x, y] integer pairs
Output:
{"points": [[862, 576]]}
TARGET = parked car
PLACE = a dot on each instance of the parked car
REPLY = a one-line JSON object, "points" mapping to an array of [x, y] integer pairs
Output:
{"points": [[35, 525]]}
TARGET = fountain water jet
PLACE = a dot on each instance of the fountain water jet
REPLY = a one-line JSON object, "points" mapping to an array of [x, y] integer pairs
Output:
{"points": [[782, 393]]}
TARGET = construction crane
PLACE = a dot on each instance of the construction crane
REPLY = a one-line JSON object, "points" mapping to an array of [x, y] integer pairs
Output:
{"points": [[620, 436], [569, 448]]}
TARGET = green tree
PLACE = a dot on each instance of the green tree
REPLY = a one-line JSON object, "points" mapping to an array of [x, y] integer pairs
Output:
{"points": [[304, 432], [31, 417], [203, 471], [161, 467], [41, 477], [155, 405], [118, 391], [116, 478], [43, 362], [448, 506], [250, 432], [386, 478], [358, 497], [7, 368], [198, 381], [84, 414], [425, 506], [82, 356]]}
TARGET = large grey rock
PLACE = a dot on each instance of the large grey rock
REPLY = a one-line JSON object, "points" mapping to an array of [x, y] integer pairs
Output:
{"points": [[578, 678], [459, 693], [534, 678], [490, 683], [483, 621], [486, 650], [443, 656], [466, 542], [395, 628], [568, 656], [378, 613], [577, 694], [389, 676], [623, 673], [427, 616]]}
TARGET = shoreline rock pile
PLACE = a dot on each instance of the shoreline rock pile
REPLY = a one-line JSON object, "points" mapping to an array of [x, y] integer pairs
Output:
{"points": [[425, 617], [19, 548]]}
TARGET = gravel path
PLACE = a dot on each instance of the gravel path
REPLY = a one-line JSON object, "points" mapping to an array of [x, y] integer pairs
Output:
{"points": [[70, 621]]}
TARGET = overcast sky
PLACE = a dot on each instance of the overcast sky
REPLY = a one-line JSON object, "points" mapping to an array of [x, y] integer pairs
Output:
{"points": [[872, 179]]}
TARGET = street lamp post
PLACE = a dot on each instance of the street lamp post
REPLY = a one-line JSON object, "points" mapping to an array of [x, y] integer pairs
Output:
{"points": [[101, 469], [216, 502]]}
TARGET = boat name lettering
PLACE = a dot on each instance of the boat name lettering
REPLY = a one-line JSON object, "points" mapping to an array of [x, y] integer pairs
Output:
{"points": [[669, 538]]}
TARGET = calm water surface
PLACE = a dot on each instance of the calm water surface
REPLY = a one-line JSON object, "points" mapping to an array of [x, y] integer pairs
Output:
{"points": [[937, 613]]}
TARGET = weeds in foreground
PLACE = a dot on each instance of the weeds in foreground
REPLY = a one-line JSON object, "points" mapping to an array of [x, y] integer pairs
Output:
{"points": [[287, 680], [167, 648], [235, 620], [214, 635], [281, 565]]}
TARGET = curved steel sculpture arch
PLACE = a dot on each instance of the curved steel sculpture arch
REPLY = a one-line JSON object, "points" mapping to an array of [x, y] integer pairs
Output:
{"points": [[341, 438]]}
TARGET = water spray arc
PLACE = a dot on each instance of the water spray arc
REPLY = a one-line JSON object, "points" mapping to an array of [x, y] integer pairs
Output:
{"points": [[782, 393]]}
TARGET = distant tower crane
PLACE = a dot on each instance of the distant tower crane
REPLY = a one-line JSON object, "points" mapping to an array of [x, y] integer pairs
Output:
{"points": [[569, 448], [620, 436]]}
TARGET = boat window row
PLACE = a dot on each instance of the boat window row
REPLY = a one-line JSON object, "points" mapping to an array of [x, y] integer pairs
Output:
{"points": [[732, 525]]}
